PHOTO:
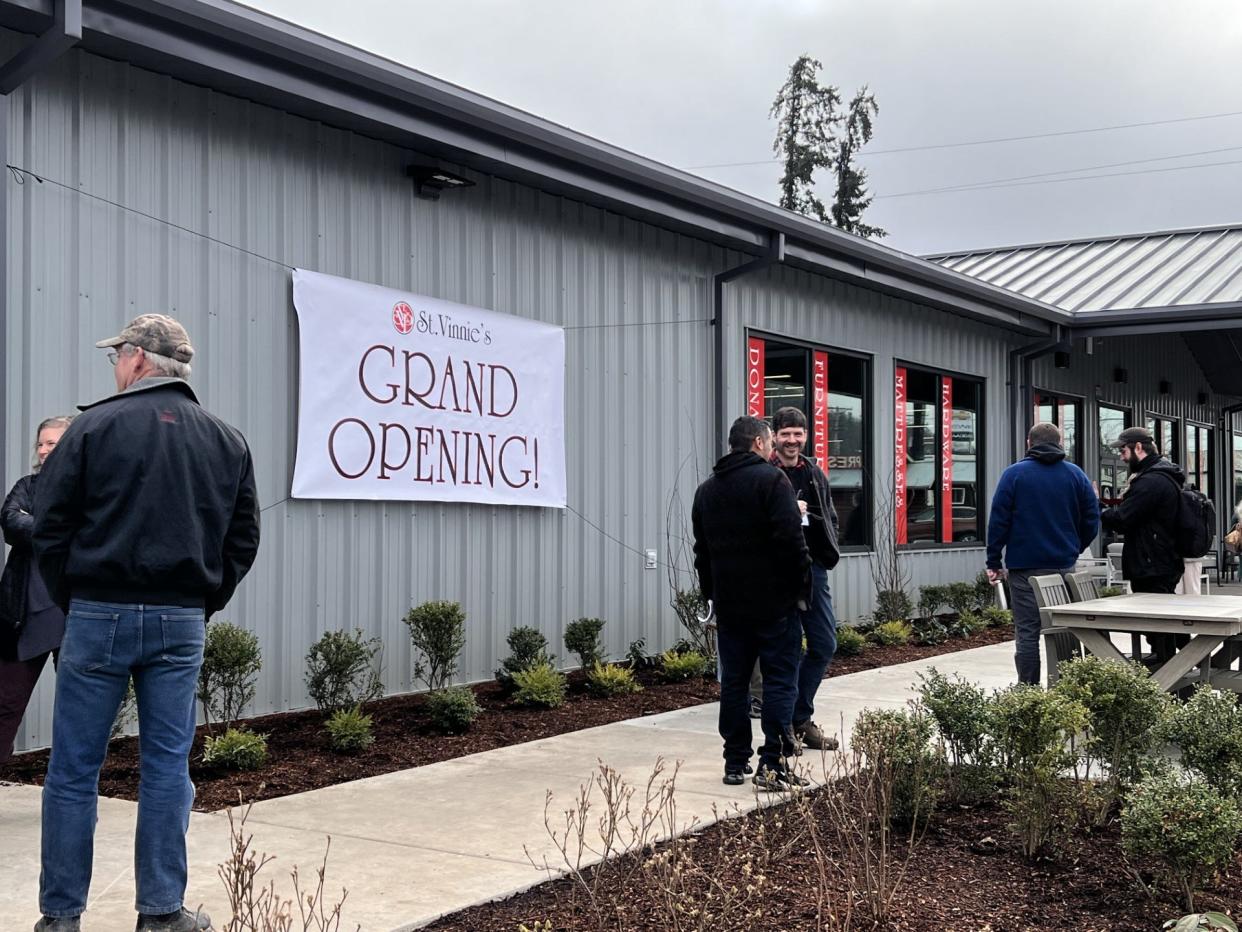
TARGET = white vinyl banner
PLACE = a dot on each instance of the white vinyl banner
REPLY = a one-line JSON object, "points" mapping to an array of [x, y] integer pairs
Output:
{"points": [[405, 398]]}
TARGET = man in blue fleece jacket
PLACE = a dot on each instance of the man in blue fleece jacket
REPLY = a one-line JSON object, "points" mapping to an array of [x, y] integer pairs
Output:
{"points": [[1044, 514]]}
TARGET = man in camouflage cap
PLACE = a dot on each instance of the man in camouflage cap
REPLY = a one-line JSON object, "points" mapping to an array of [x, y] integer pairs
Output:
{"points": [[140, 542]]}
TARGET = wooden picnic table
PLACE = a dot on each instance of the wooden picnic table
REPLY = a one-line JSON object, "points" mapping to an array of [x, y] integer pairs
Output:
{"points": [[1210, 620]]}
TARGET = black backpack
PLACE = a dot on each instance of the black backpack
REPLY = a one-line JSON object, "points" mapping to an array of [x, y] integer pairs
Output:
{"points": [[1195, 524]]}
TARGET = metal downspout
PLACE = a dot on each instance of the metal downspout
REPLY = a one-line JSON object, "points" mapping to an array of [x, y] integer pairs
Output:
{"points": [[62, 35], [1020, 368], [775, 256]]}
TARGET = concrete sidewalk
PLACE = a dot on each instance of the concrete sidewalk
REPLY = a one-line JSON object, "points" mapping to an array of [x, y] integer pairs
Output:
{"points": [[414, 845]]}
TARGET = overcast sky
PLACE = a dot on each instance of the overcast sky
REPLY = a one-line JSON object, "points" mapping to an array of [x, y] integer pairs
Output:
{"points": [[690, 83]]}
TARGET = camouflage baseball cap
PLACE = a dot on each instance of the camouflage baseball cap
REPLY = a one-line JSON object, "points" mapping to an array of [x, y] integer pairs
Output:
{"points": [[156, 333]]}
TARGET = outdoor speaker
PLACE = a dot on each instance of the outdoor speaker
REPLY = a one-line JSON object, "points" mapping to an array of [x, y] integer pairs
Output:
{"points": [[1121, 375], [1202, 398], [1060, 359], [1165, 387]]}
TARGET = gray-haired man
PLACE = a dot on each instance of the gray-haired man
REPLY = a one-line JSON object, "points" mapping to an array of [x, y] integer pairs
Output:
{"points": [[147, 519]]}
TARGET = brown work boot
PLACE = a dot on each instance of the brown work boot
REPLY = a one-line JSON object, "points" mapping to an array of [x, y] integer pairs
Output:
{"points": [[811, 736]]}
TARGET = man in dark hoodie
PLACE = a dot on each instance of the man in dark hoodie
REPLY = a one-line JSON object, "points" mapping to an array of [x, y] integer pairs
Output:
{"points": [[1044, 514], [753, 564], [1147, 515], [819, 525]]}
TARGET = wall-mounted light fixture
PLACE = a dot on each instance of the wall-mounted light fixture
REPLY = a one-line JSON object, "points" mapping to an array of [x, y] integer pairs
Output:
{"points": [[430, 180], [1121, 375], [1061, 360], [1165, 387]]}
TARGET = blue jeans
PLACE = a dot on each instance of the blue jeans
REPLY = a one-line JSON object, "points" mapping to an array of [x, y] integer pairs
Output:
{"points": [[1027, 622], [105, 643], [776, 647], [819, 625]]}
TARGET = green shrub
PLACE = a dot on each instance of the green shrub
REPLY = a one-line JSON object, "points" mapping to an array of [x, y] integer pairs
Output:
{"points": [[226, 680], [985, 593], [541, 685], [928, 629], [960, 711], [1208, 730], [1031, 731], [892, 605], [637, 653], [997, 617], [968, 624], [890, 633], [897, 744], [611, 680], [1186, 826], [1125, 711], [931, 600], [582, 638], [452, 710], [349, 730], [850, 641], [528, 649], [438, 633], [1107, 592], [961, 597], [236, 749], [341, 670], [675, 666], [1209, 922]]}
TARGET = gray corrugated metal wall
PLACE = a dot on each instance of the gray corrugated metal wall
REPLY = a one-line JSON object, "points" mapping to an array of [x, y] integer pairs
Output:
{"points": [[807, 307], [634, 299]]}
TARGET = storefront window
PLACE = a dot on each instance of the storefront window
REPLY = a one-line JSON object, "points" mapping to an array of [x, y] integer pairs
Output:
{"points": [[937, 468], [1110, 422], [1165, 431], [1198, 460], [1237, 474], [1065, 413], [830, 388]]}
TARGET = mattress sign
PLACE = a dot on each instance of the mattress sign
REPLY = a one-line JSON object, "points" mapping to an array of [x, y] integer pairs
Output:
{"points": [[405, 398]]}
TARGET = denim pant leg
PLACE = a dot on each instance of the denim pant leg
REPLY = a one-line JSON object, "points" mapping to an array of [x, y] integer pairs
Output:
{"points": [[819, 624], [100, 642], [1027, 623], [737, 650], [780, 649], [165, 681]]}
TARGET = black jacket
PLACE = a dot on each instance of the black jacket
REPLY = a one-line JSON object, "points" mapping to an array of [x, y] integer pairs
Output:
{"points": [[17, 518], [749, 549], [147, 499], [1147, 516], [821, 531]]}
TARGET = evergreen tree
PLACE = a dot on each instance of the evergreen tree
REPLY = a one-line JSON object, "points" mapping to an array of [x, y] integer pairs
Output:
{"points": [[851, 196], [806, 116]]}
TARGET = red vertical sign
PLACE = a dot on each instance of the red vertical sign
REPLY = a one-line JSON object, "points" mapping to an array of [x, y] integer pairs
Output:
{"points": [[946, 460], [819, 408], [754, 377], [899, 449]]}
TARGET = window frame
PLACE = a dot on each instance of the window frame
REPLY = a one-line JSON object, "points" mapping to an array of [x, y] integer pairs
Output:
{"points": [[1179, 432], [1188, 423], [981, 462], [1080, 403], [868, 406]]}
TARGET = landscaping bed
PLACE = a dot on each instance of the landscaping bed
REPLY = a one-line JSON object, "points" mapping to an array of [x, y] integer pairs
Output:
{"points": [[967, 874], [300, 758]]}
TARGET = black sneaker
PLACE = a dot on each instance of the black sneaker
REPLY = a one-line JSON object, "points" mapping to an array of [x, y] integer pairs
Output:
{"points": [[779, 781], [811, 736], [735, 776], [181, 921], [63, 924]]}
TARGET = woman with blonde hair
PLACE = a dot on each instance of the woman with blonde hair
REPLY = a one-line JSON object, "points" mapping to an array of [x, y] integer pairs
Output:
{"points": [[31, 626]]}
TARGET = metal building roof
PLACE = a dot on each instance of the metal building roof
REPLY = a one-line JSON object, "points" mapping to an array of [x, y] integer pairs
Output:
{"points": [[1175, 268]]}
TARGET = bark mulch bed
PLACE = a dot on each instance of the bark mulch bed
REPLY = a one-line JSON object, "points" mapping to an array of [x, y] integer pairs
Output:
{"points": [[967, 875], [300, 759]]}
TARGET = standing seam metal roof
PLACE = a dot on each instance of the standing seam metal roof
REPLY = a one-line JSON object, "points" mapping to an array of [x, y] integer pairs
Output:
{"points": [[1166, 269]]}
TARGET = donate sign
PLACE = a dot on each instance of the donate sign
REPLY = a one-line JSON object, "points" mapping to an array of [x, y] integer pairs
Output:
{"points": [[408, 398]]}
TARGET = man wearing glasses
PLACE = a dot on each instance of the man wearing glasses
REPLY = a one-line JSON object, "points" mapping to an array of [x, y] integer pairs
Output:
{"points": [[147, 519]]}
